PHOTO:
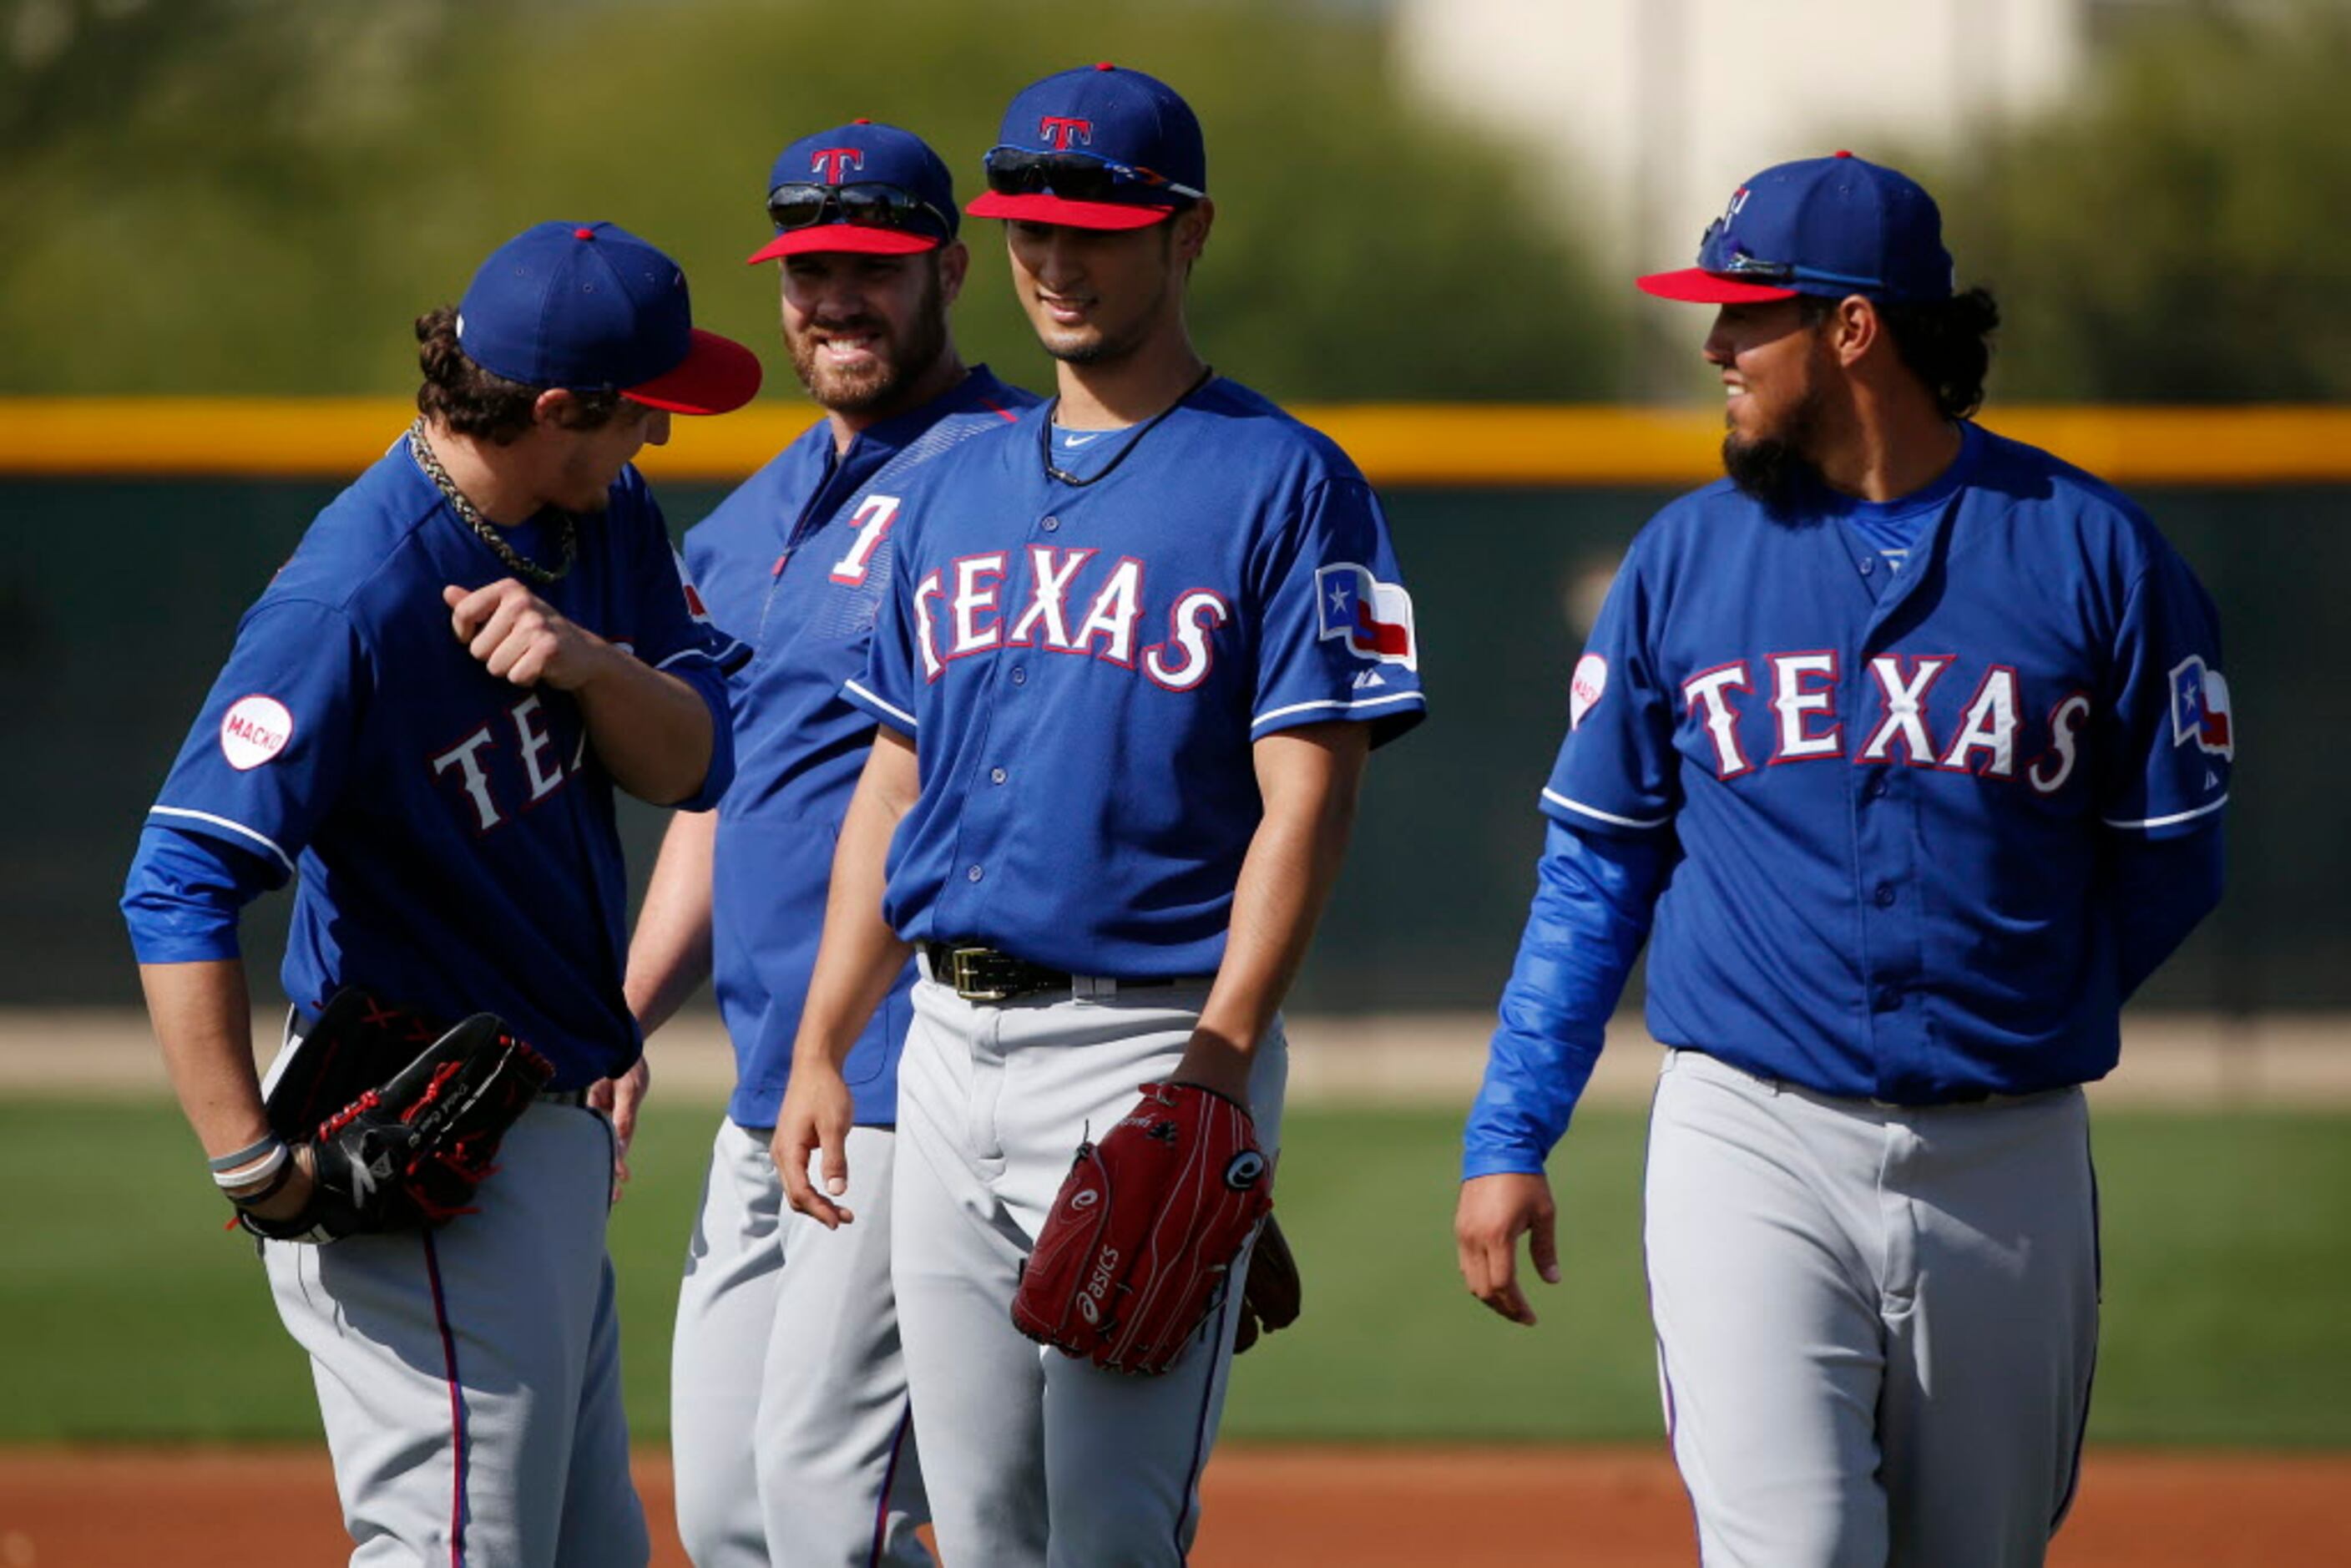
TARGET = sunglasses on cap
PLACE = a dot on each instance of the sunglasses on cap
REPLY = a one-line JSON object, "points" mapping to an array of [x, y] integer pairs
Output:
{"points": [[1738, 264], [1078, 176], [800, 206]]}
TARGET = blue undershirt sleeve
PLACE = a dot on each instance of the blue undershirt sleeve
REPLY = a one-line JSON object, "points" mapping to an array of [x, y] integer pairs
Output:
{"points": [[1594, 898], [185, 893]]}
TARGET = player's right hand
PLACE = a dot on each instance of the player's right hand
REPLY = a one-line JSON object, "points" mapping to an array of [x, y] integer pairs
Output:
{"points": [[813, 1125], [1494, 1212]]}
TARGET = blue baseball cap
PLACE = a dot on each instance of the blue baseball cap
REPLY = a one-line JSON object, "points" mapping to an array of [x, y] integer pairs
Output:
{"points": [[1833, 227], [896, 196], [1100, 147], [592, 308]]}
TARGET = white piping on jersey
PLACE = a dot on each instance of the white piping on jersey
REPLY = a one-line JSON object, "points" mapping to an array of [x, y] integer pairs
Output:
{"points": [[2175, 817], [698, 653], [1334, 702], [1557, 798], [897, 713], [224, 822]]}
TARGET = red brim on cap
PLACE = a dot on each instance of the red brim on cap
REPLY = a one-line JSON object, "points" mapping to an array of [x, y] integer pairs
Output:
{"points": [[716, 376], [1047, 208], [843, 237], [1699, 287]]}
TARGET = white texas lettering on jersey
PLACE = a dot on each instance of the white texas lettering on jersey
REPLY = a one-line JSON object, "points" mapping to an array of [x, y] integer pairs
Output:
{"points": [[1989, 726], [1905, 708], [1708, 690], [2065, 743], [1796, 702], [1804, 708], [973, 625], [541, 775], [1196, 614], [968, 599]]}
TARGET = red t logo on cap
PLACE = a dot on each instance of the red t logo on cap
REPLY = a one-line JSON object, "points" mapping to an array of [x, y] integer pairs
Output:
{"points": [[1059, 130], [834, 161]]}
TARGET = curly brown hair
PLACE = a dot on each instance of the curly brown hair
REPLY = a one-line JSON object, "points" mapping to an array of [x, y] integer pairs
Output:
{"points": [[481, 403]]}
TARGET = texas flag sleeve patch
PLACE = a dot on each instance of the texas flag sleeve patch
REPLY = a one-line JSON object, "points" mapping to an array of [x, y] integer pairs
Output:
{"points": [[1373, 617]]}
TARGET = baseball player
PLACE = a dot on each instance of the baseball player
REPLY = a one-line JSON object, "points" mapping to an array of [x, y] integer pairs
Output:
{"points": [[788, 1423], [422, 724], [1136, 650], [1911, 743]]}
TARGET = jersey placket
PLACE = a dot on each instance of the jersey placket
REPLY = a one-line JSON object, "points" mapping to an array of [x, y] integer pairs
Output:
{"points": [[1005, 698], [1888, 829]]}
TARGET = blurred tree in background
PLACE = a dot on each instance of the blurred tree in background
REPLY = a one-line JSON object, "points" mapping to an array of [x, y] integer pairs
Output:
{"points": [[2178, 235], [256, 195]]}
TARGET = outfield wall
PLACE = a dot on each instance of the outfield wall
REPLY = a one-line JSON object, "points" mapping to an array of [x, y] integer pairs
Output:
{"points": [[134, 533]]}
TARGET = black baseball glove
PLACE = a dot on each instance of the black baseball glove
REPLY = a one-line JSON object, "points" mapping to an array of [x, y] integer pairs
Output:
{"points": [[404, 1152]]}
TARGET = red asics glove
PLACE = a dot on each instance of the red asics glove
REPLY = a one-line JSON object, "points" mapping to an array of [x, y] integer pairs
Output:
{"points": [[1138, 1250]]}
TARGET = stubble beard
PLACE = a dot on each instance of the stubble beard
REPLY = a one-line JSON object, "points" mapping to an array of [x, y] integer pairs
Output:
{"points": [[901, 364]]}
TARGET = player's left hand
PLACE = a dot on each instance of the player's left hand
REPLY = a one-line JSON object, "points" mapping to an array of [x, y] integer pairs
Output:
{"points": [[522, 639], [619, 1098], [1494, 1212], [812, 1127]]}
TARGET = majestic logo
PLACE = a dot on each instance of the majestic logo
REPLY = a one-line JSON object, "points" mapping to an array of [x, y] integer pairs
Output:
{"points": [[1244, 1170], [1584, 689], [2200, 709], [831, 162], [1060, 131], [255, 729], [1374, 617]]}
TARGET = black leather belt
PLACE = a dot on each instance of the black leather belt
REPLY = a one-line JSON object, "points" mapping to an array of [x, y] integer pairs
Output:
{"points": [[983, 974]]}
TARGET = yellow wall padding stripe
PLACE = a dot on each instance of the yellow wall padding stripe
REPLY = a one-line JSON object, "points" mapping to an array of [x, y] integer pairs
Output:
{"points": [[1396, 443]]}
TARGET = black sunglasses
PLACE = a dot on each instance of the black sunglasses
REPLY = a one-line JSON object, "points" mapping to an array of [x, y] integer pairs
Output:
{"points": [[800, 206], [1078, 176]]}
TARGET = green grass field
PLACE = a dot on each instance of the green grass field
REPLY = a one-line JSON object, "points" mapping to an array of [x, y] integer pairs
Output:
{"points": [[130, 1315]]}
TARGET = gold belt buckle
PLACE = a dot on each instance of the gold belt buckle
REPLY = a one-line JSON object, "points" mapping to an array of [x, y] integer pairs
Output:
{"points": [[963, 973]]}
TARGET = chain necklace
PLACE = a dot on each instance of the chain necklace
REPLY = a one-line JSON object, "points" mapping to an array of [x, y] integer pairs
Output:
{"points": [[1045, 436], [470, 514]]}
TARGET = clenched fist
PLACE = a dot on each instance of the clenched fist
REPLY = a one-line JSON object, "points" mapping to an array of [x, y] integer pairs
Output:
{"points": [[521, 638]]}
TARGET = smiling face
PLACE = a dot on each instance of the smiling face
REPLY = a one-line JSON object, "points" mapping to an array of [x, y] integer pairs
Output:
{"points": [[862, 329], [1096, 296]]}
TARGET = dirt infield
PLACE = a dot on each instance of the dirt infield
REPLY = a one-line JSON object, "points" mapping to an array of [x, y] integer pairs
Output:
{"points": [[1266, 1507]]}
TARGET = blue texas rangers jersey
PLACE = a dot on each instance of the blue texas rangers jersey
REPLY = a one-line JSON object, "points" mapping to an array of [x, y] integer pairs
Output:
{"points": [[454, 833], [1084, 667], [1896, 803], [794, 564]]}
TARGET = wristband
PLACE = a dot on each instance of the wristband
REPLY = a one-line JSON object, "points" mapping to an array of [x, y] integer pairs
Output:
{"points": [[249, 1155], [268, 1164]]}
